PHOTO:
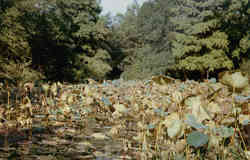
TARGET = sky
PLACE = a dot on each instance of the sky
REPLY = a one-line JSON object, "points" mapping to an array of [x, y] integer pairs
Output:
{"points": [[117, 6]]}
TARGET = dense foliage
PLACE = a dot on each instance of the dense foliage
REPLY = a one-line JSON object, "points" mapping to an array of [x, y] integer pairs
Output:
{"points": [[69, 40], [148, 39], [211, 35], [62, 40]]}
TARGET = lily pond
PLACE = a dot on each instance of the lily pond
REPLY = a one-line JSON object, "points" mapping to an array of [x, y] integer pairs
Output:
{"points": [[161, 118]]}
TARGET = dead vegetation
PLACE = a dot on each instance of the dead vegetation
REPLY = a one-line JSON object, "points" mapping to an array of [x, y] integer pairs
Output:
{"points": [[161, 118]]}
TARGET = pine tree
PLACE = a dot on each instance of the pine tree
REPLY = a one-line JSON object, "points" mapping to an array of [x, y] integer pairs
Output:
{"points": [[208, 34]]}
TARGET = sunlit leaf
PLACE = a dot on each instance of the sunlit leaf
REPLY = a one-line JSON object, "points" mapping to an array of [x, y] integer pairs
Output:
{"points": [[121, 108], [99, 136]]}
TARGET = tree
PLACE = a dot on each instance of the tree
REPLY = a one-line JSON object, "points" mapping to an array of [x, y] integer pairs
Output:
{"points": [[63, 39], [15, 49], [151, 56], [76, 32], [208, 36], [124, 38]]}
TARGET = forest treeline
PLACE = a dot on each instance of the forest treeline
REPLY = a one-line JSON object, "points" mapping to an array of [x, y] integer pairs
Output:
{"points": [[69, 40]]}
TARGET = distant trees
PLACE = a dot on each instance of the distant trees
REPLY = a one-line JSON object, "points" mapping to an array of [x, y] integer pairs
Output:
{"points": [[145, 41], [68, 40]]}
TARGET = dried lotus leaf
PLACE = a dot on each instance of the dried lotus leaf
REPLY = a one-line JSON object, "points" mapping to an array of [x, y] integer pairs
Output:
{"points": [[162, 80]]}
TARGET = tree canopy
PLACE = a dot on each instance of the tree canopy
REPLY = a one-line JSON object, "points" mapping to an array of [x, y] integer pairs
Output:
{"points": [[69, 40], [209, 35], [64, 40]]}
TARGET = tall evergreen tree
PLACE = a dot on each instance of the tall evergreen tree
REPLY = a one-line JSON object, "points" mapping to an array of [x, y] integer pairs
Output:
{"points": [[208, 34]]}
